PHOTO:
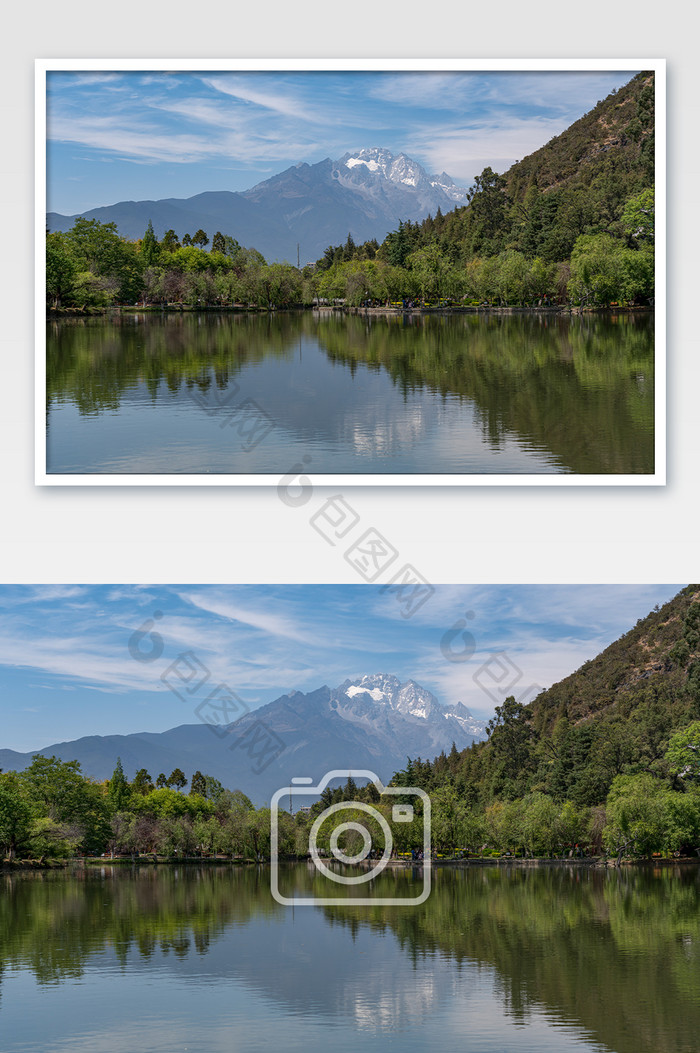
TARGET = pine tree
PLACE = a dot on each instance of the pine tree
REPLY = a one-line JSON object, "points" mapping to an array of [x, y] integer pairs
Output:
{"points": [[149, 246], [118, 787], [177, 779]]}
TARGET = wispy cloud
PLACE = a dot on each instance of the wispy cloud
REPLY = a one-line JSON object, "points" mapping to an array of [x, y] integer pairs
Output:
{"points": [[465, 150], [62, 648], [271, 623], [109, 133], [282, 102], [163, 132]]}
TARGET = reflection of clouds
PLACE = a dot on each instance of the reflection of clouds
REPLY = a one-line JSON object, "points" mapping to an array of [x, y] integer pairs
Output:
{"points": [[367, 424], [371, 437], [294, 982], [385, 1003]]}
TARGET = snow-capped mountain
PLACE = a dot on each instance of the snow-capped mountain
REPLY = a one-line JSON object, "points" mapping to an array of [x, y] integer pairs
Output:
{"points": [[412, 700], [303, 209], [399, 170], [372, 722]]}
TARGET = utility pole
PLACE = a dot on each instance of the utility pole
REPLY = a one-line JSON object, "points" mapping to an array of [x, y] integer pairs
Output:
{"points": [[298, 256]]}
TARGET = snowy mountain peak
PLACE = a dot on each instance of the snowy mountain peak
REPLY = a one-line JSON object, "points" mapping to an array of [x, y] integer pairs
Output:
{"points": [[409, 699], [399, 169]]}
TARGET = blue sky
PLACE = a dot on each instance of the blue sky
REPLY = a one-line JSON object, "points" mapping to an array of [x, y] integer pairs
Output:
{"points": [[70, 665], [141, 135]]}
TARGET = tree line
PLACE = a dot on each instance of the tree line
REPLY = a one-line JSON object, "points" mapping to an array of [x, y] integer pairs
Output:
{"points": [[52, 810], [434, 262], [92, 267]]}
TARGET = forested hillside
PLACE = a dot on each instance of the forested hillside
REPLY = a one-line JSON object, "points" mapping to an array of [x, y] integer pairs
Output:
{"points": [[609, 755], [572, 221]]}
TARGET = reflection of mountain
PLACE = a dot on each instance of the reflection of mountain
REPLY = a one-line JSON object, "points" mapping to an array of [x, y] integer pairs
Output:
{"points": [[609, 956], [576, 392], [614, 954]]}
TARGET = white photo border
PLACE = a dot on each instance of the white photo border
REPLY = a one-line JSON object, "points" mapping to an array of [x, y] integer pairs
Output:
{"points": [[44, 66]]}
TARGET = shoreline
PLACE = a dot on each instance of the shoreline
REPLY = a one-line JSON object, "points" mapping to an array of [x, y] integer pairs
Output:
{"points": [[600, 862], [328, 309]]}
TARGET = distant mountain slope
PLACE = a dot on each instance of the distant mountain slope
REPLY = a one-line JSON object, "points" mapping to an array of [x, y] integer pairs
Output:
{"points": [[374, 722], [613, 716], [658, 655], [365, 193], [577, 183], [616, 135]]}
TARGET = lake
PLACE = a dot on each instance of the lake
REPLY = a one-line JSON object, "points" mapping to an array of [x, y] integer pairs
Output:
{"points": [[168, 959], [253, 394]]}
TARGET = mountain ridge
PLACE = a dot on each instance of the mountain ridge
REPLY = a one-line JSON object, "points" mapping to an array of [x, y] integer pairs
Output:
{"points": [[296, 734], [365, 193]]}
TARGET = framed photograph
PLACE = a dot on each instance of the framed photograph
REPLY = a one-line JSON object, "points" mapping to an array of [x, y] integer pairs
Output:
{"points": [[380, 272]]}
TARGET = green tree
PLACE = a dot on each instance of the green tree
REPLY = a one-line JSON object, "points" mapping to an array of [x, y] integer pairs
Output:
{"points": [[149, 246], [511, 741], [538, 824], [118, 788], [47, 837], [200, 238], [488, 209], [114, 262], [604, 270], [218, 242], [683, 754], [513, 277], [635, 821], [61, 269], [638, 217], [170, 241], [431, 268], [177, 779], [198, 784], [572, 826], [15, 816], [142, 782], [449, 827], [681, 818]]}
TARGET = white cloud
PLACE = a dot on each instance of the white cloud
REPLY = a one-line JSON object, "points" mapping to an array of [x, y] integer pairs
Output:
{"points": [[270, 623], [465, 150], [284, 103]]}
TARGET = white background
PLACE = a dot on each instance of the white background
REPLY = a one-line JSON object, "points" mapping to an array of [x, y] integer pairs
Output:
{"points": [[471, 534]]}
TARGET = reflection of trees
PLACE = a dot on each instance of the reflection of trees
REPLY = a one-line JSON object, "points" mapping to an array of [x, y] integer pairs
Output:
{"points": [[615, 953], [53, 924], [92, 362], [581, 388]]}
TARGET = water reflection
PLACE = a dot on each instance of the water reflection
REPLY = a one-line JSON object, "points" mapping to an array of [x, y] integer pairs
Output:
{"points": [[462, 393], [523, 960]]}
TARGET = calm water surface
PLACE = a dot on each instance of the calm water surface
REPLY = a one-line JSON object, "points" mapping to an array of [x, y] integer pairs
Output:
{"points": [[253, 394], [175, 959]]}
